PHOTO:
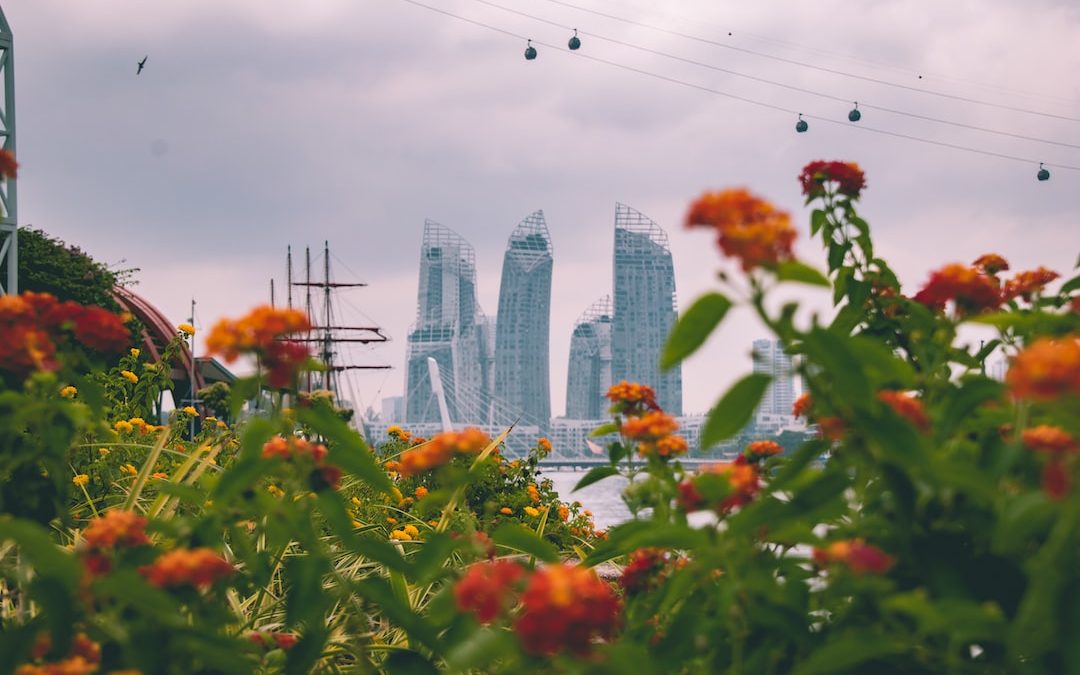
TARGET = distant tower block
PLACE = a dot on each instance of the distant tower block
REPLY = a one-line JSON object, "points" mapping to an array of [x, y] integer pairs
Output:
{"points": [[9, 232], [644, 306], [522, 329], [770, 359], [589, 375]]}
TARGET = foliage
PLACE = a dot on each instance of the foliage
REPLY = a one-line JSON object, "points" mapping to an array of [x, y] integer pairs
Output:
{"points": [[48, 265], [931, 525]]}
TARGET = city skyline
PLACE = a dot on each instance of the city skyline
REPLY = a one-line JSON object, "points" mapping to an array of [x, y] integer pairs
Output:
{"points": [[499, 373]]}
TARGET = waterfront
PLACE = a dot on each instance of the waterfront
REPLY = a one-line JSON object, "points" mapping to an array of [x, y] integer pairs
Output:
{"points": [[604, 499]]}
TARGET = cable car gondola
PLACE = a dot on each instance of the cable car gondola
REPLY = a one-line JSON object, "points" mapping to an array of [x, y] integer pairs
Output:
{"points": [[574, 43], [801, 126], [530, 52], [854, 115], [1044, 173]]}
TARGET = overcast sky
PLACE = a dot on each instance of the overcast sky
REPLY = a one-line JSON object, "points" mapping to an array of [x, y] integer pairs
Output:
{"points": [[263, 123]]}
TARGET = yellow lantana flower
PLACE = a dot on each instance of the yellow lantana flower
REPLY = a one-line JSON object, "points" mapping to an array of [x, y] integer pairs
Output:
{"points": [[129, 376], [190, 410], [531, 511], [81, 480], [186, 329], [124, 427], [411, 531], [134, 353], [400, 535], [129, 469], [69, 391]]}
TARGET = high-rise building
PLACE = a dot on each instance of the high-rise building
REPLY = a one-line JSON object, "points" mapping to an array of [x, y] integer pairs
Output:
{"points": [[644, 307], [589, 375], [770, 359], [393, 409], [451, 328], [522, 330]]}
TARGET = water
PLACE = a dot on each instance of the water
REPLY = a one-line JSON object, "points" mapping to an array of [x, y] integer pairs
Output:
{"points": [[604, 499]]}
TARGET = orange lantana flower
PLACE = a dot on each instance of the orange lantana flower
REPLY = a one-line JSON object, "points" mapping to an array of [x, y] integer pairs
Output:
{"points": [[1046, 369], [747, 227]]}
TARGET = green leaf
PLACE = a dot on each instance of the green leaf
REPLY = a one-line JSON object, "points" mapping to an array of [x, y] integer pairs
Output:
{"points": [[693, 328], [481, 649], [408, 662], [818, 220], [734, 410], [800, 459], [793, 270], [1068, 287], [604, 430], [379, 592], [843, 653], [595, 475], [430, 561], [514, 536]]}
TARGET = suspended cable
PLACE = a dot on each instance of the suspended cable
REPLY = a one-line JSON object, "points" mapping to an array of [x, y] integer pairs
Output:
{"points": [[907, 70], [823, 69], [784, 85], [761, 104]]}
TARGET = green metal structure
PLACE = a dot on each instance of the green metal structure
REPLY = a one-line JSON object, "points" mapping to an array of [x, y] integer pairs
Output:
{"points": [[9, 232]]}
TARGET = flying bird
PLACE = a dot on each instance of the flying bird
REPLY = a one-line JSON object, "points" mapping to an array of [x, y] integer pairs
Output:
{"points": [[142, 64]]}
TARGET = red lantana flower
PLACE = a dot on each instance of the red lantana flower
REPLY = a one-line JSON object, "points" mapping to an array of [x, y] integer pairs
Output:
{"points": [[906, 406], [199, 567], [856, 555], [1026, 284], [847, 176], [971, 290], [487, 588], [631, 398], [566, 608], [991, 263]]}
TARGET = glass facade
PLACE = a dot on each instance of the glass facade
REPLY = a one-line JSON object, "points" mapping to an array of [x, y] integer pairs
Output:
{"points": [[589, 375], [644, 306], [451, 328], [522, 330]]}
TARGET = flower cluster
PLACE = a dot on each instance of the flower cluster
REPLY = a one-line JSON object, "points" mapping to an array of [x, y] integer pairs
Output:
{"points": [[105, 534], [34, 324], [991, 263], [848, 177], [486, 588], [441, 449], [971, 290], [1026, 284], [644, 570], [1061, 448], [631, 398], [273, 639], [829, 427], [721, 487], [654, 434], [762, 449], [856, 555], [906, 406], [83, 658], [1046, 369], [263, 333], [747, 227], [565, 607], [198, 567], [294, 448]]}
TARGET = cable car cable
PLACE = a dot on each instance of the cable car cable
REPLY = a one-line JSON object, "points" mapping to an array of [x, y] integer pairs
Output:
{"points": [[811, 92], [824, 69], [762, 104]]}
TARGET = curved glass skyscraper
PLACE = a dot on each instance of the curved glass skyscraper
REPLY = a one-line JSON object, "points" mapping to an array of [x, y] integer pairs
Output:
{"points": [[644, 286], [522, 328], [451, 328], [589, 376]]}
